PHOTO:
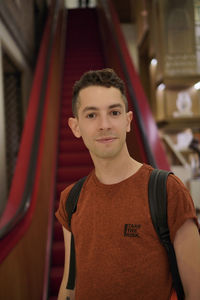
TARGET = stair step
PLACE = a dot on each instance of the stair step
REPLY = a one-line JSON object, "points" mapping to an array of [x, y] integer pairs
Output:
{"points": [[65, 111], [75, 145], [75, 159], [55, 279], [58, 232], [66, 133], [72, 173], [58, 253], [67, 100]]}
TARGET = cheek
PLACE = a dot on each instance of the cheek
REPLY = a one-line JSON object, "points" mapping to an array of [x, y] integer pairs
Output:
{"points": [[87, 140], [86, 133], [123, 126]]}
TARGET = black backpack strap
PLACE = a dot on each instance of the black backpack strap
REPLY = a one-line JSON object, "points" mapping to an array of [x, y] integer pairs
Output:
{"points": [[72, 266], [71, 205], [157, 195], [72, 199]]}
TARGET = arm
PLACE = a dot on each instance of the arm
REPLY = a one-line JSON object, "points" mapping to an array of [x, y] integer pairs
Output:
{"points": [[187, 249], [65, 294]]}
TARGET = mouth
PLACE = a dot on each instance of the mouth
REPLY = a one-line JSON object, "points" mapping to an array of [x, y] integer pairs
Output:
{"points": [[106, 140]]}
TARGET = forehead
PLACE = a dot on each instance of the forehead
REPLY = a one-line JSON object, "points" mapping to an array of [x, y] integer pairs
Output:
{"points": [[99, 96]]}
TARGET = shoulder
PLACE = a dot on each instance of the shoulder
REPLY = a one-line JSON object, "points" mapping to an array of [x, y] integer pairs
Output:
{"points": [[61, 213], [178, 195], [174, 184], [176, 188], [64, 194], [180, 204]]}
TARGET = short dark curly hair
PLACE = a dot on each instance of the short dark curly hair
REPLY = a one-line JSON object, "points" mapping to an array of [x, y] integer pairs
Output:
{"points": [[105, 77]]}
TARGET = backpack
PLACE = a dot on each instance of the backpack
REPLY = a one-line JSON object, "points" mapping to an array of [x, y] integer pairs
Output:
{"points": [[157, 196]]}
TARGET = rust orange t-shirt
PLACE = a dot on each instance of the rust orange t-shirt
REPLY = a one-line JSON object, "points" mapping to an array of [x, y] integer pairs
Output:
{"points": [[118, 253]]}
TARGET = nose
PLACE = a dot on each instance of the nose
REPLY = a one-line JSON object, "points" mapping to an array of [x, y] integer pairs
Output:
{"points": [[104, 122]]}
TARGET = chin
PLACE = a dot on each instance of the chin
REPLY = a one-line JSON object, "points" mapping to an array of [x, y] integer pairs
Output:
{"points": [[107, 154]]}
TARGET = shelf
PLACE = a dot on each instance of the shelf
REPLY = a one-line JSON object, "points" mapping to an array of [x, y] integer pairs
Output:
{"points": [[177, 124]]}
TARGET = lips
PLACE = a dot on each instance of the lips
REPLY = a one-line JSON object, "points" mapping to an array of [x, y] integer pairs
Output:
{"points": [[106, 139]]}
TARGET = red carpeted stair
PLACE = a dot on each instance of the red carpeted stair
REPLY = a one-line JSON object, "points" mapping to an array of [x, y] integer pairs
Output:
{"points": [[83, 53]]}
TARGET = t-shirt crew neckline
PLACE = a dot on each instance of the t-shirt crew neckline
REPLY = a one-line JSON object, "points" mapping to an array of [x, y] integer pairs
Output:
{"points": [[104, 186]]}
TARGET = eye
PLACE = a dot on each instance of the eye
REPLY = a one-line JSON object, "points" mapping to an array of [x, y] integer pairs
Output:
{"points": [[91, 116], [115, 113]]}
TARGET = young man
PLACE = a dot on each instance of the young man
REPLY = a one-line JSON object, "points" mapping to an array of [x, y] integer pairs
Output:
{"points": [[111, 263]]}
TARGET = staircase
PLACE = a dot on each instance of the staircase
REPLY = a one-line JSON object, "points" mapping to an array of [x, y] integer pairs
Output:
{"points": [[83, 53]]}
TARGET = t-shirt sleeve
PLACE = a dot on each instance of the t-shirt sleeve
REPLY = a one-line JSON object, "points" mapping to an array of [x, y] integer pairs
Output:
{"points": [[61, 213], [180, 205]]}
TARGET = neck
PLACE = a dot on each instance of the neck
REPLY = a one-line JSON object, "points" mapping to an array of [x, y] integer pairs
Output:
{"points": [[117, 169]]}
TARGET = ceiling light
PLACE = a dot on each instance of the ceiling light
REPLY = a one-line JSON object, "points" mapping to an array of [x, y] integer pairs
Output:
{"points": [[197, 86], [154, 62], [161, 87]]}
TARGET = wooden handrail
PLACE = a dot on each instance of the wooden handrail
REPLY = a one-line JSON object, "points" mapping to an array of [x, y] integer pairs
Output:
{"points": [[147, 127], [19, 209]]}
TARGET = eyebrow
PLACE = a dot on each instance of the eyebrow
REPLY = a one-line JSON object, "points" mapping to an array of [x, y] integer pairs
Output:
{"points": [[94, 108]]}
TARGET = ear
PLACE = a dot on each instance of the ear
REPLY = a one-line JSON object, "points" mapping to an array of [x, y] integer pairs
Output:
{"points": [[129, 120], [73, 124]]}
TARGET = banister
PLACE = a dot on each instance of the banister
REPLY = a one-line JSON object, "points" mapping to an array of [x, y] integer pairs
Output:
{"points": [[148, 129], [22, 188]]}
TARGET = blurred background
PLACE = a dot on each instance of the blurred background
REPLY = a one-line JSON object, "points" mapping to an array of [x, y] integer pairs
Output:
{"points": [[45, 46]]}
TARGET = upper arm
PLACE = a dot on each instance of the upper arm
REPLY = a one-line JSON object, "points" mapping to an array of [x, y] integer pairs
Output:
{"points": [[67, 241], [187, 249], [64, 292]]}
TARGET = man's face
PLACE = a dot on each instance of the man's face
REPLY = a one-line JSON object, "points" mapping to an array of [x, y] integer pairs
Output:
{"points": [[102, 121]]}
